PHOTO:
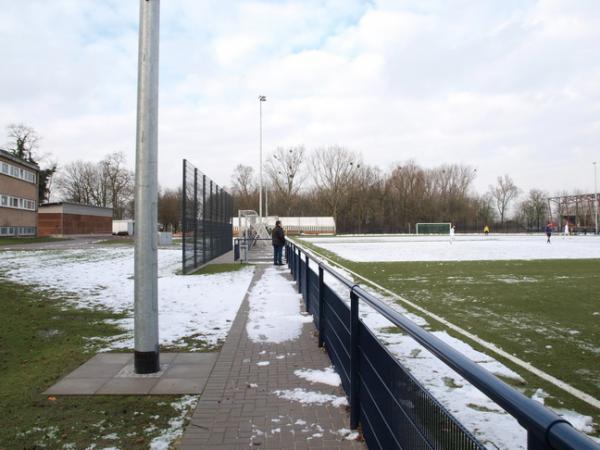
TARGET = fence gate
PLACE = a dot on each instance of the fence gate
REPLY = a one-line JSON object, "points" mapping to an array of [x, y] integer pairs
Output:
{"points": [[206, 219]]}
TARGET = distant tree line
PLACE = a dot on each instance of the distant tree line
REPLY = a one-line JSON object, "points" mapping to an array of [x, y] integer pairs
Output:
{"points": [[329, 181], [334, 181]]}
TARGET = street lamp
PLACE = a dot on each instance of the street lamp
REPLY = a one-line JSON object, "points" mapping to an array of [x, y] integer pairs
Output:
{"points": [[595, 197], [261, 99]]}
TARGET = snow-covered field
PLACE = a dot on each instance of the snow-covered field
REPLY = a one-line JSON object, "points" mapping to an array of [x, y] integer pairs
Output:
{"points": [[463, 248], [202, 306]]}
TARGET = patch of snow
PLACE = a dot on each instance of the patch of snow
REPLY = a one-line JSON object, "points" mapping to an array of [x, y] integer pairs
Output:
{"points": [[465, 248], [311, 397], [198, 305], [540, 395], [582, 423], [347, 434], [263, 363], [326, 376], [175, 429], [274, 310]]}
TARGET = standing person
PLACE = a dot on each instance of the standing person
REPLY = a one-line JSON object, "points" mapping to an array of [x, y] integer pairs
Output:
{"points": [[278, 239], [486, 230], [566, 229], [452, 230], [548, 230]]}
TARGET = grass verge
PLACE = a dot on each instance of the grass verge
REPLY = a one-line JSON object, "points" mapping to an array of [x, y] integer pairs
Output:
{"points": [[211, 269], [29, 240], [41, 340]]}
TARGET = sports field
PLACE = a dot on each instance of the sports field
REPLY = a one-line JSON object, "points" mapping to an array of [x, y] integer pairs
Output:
{"points": [[537, 302]]}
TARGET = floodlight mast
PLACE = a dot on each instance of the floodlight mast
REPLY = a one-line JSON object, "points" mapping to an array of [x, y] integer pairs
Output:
{"points": [[146, 355], [261, 99]]}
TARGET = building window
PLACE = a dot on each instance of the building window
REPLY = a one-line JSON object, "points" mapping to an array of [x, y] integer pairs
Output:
{"points": [[17, 231], [17, 172], [9, 201]]}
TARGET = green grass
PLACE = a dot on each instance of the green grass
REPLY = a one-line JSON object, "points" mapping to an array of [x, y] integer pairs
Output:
{"points": [[117, 241], [211, 269], [544, 312], [42, 340], [28, 240]]}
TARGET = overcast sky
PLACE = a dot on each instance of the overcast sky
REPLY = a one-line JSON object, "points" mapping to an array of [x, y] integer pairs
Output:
{"points": [[505, 86]]}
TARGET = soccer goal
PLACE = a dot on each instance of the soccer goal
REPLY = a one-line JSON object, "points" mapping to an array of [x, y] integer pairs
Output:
{"points": [[433, 228]]}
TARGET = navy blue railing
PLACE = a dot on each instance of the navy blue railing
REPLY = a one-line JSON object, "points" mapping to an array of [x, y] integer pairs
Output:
{"points": [[394, 410]]}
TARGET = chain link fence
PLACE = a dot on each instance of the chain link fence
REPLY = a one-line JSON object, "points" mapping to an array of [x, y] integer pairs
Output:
{"points": [[206, 219]]}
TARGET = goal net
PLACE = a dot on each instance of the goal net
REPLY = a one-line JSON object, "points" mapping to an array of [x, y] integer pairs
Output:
{"points": [[433, 228]]}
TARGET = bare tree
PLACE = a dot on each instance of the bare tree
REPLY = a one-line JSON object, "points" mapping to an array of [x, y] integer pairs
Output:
{"points": [[169, 208], [24, 141], [117, 182], [285, 169], [534, 209], [332, 169], [504, 193], [107, 183], [244, 188]]}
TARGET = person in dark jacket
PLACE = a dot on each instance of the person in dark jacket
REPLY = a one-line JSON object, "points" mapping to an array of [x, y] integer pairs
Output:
{"points": [[548, 231], [278, 238]]}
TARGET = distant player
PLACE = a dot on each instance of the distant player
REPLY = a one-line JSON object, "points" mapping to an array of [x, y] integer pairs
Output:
{"points": [[452, 233], [486, 230], [566, 233], [548, 230]]}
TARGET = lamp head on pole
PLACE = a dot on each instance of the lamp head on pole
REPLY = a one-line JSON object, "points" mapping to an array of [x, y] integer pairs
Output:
{"points": [[262, 98]]}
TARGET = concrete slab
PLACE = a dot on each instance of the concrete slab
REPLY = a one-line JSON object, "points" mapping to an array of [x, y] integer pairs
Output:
{"points": [[114, 374], [127, 386], [172, 386]]}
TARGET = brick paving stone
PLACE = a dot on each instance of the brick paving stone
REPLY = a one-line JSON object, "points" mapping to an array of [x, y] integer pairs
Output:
{"points": [[233, 413]]}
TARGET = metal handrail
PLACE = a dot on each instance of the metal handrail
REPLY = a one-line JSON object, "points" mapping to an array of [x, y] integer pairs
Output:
{"points": [[545, 428]]}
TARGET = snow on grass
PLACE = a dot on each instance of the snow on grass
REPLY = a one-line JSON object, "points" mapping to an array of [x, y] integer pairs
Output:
{"points": [[310, 397], [183, 406], [195, 305], [274, 310], [464, 248], [326, 376]]}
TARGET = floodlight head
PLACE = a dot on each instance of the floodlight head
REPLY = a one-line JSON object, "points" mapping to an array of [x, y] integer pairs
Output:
{"points": [[262, 98]]}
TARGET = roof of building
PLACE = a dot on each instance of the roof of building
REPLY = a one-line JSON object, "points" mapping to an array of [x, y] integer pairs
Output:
{"points": [[74, 208], [23, 162]]}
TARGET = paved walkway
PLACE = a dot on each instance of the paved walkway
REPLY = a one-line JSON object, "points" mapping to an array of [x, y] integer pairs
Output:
{"points": [[239, 408]]}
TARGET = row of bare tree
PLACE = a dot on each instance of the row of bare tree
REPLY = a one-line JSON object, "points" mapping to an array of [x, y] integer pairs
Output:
{"points": [[330, 181], [334, 181]]}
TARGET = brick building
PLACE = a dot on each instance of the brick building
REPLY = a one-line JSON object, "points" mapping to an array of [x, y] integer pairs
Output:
{"points": [[18, 196], [63, 219]]}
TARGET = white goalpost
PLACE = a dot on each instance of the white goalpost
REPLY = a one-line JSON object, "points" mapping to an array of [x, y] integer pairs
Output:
{"points": [[433, 228]]}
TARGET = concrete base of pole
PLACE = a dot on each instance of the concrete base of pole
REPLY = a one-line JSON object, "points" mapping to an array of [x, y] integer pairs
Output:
{"points": [[146, 362]]}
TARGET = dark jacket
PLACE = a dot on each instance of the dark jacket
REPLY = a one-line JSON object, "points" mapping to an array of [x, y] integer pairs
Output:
{"points": [[278, 236]]}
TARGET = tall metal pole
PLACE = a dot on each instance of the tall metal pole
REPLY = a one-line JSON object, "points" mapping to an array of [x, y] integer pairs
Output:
{"points": [[595, 197], [146, 357], [261, 99]]}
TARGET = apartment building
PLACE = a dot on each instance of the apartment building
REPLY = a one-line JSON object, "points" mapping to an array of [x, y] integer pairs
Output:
{"points": [[18, 196]]}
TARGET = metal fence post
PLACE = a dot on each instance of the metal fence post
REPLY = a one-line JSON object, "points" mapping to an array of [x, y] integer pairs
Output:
{"points": [[321, 307], [204, 219], [210, 225], [183, 218], [306, 284], [299, 278], [195, 217], [354, 362]]}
